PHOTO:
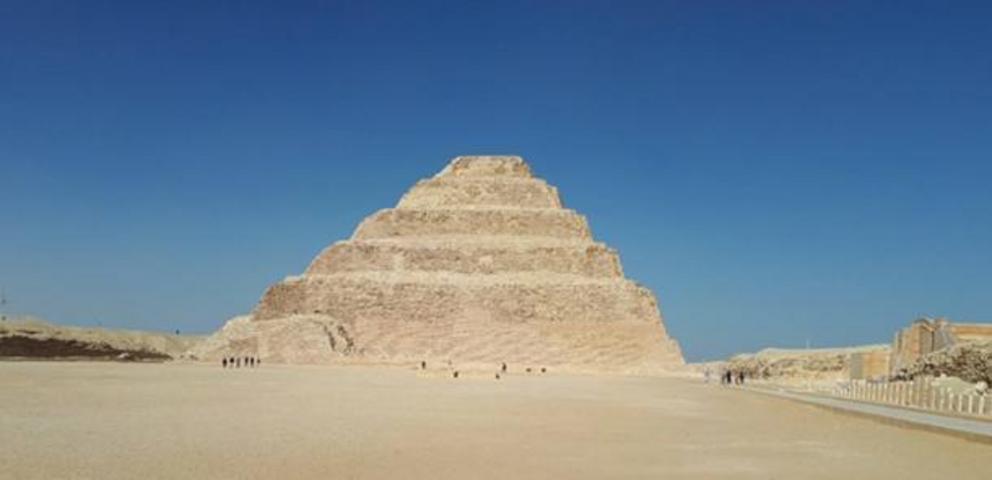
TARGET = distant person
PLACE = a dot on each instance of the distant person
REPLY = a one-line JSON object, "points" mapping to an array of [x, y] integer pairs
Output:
{"points": [[740, 378], [503, 368], [455, 374], [423, 365], [224, 362], [237, 362]]}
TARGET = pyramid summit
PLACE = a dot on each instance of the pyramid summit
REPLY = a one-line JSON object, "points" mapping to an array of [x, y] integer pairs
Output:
{"points": [[477, 265]]}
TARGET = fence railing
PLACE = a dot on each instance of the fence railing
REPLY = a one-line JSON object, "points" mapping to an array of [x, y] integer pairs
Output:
{"points": [[920, 393]]}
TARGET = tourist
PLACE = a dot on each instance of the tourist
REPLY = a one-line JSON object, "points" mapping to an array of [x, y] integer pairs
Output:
{"points": [[740, 378], [504, 367], [224, 362]]}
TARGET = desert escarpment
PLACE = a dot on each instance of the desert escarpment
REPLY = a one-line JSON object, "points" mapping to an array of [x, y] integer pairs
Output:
{"points": [[31, 338], [480, 264]]}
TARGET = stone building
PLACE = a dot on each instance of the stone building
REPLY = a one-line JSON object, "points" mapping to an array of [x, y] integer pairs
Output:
{"points": [[480, 264], [869, 365], [927, 335]]}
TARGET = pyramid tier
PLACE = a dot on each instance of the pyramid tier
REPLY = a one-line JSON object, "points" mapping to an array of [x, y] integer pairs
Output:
{"points": [[394, 298], [486, 166], [474, 342], [558, 223], [476, 191], [470, 255]]}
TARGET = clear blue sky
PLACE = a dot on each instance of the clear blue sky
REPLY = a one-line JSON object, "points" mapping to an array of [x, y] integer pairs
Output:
{"points": [[774, 171]]}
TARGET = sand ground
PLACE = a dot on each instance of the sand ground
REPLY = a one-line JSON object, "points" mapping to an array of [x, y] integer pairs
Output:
{"points": [[111, 420]]}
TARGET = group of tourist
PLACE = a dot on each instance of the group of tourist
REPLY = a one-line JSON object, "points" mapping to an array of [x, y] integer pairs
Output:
{"points": [[731, 378], [499, 374], [235, 362]]}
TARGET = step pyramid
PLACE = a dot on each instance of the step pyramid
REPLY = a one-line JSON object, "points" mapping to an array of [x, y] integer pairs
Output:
{"points": [[479, 265]]}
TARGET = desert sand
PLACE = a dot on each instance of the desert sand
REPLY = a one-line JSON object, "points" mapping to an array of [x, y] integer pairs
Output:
{"points": [[194, 420]]}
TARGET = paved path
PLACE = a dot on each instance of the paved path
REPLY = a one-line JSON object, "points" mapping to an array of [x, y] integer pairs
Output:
{"points": [[973, 429]]}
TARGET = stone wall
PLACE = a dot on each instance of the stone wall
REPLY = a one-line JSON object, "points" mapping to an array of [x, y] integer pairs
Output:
{"points": [[869, 365]]}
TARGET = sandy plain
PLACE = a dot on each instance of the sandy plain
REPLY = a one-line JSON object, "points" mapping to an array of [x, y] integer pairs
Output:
{"points": [[112, 420]]}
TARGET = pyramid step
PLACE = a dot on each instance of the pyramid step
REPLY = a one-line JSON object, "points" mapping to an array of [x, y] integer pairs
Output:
{"points": [[394, 298], [472, 191], [486, 166], [575, 258], [558, 223]]}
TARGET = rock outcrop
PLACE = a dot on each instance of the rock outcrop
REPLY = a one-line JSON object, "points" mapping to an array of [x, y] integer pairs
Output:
{"points": [[480, 264], [31, 338], [969, 361], [800, 365]]}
